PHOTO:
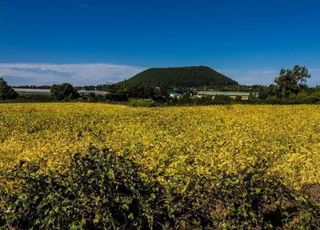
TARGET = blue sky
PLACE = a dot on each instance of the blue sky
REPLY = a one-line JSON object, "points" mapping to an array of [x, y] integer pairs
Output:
{"points": [[92, 42]]}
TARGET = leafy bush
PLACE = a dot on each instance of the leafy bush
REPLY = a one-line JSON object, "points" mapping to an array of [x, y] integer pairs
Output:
{"points": [[116, 97], [64, 92], [102, 190], [34, 98], [203, 101], [222, 100], [25, 98], [99, 191], [141, 102], [6, 91], [91, 97], [249, 199], [306, 99]]}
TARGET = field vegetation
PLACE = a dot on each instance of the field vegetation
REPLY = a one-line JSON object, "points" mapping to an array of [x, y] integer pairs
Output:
{"points": [[206, 166]]}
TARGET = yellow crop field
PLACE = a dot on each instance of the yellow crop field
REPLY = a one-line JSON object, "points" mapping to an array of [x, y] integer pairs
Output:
{"points": [[176, 142]]}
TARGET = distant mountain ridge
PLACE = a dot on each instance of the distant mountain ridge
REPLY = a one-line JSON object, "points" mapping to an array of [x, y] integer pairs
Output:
{"points": [[194, 76]]}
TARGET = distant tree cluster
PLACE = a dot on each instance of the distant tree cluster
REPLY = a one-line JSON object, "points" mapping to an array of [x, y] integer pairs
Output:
{"points": [[33, 87], [291, 82], [6, 91], [289, 88], [156, 84], [64, 92]]}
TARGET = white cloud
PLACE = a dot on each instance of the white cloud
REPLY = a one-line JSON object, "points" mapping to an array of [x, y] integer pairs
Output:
{"points": [[93, 74], [315, 76], [77, 74], [252, 76], [265, 76]]}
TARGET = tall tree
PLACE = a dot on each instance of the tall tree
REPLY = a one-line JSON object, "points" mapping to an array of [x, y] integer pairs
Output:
{"points": [[6, 91], [64, 91], [291, 81]]}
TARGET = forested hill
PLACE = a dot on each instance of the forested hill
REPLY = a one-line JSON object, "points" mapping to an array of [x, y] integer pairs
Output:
{"points": [[181, 77]]}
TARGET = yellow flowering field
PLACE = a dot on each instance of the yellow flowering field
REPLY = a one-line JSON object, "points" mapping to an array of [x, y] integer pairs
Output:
{"points": [[176, 142]]}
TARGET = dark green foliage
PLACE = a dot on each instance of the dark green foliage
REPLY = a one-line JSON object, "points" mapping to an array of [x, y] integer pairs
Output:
{"points": [[291, 81], [238, 99], [33, 87], [99, 191], [123, 91], [265, 91], [6, 91], [142, 91], [116, 97], [156, 83], [181, 77], [184, 100], [248, 199], [64, 92], [293, 100], [204, 101], [91, 97], [34, 98], [222, 100], [89, 87]]}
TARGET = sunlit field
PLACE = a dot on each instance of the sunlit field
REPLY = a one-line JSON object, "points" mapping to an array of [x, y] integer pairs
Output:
{"points": [[176, 142]]}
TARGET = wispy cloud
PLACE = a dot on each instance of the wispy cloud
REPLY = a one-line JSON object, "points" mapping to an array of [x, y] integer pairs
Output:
{"points": [[265, 76], [93, 74], [252, 76], [77, 74]]}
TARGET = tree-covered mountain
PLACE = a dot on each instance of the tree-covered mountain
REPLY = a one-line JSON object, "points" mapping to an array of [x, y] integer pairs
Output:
{"points": [[199, 76]]}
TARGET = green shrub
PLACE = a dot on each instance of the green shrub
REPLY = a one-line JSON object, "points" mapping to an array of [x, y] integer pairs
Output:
{"points": [[140, 102], [203, 101], [91, 97], [249, 199], [222, 100], [24, 98], [64, 92], [98, 191], [35, 98], [308, 99], [6, 91], [238, 99], [116, 97], [102, 190]]}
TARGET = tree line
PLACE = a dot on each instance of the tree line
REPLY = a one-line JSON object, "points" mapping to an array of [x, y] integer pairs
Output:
{"points": [[290, 87]]}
